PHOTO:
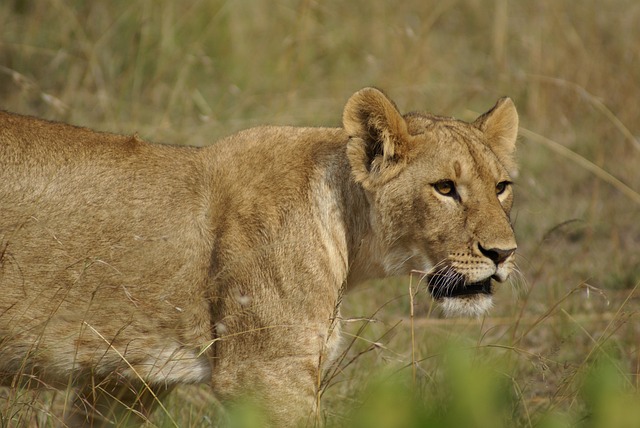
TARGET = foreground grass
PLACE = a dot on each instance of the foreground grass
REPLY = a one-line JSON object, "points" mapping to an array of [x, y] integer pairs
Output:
{"points": [[562, 348]]}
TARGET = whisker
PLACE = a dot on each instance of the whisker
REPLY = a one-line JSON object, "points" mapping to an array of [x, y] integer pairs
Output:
{"points": [[518, 280]]}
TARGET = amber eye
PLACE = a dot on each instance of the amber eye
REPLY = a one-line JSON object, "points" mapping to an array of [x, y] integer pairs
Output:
{"points": [[501, 187], [446, 188]]}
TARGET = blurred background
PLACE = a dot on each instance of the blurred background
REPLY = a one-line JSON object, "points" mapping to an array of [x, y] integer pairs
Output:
{"points": [[190, 72]]}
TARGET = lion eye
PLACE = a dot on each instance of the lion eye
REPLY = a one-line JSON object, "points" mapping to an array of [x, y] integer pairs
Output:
{"points": [[501, 187], [445, 188]]}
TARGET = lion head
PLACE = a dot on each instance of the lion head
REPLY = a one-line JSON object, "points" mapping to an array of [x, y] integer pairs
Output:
{"points": [[440, 192]]}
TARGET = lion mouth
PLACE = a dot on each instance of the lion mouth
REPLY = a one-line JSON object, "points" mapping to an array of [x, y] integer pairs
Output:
{"points": [[454, 285]]}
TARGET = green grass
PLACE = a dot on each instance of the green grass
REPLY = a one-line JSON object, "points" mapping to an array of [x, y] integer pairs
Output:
{"points": [[560, 350]]}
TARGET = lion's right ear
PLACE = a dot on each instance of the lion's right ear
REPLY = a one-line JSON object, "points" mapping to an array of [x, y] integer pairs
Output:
{"points": [[379, 144]]}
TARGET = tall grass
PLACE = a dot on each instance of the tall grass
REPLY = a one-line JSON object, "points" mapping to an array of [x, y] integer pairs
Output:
{"points": [[560, 350]]}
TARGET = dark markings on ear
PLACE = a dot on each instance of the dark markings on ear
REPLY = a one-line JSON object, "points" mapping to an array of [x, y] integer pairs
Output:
{"points": [[380, 143]]}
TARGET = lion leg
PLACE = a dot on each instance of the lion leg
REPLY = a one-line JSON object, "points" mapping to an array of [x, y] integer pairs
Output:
{"points": [[280, 393], [113, 404]]}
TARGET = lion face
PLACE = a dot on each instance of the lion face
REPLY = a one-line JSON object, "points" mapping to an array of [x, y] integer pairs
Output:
{"points": [[440, 192]]}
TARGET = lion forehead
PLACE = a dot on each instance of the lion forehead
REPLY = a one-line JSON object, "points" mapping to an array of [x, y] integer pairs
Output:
{"points": [[458, 152]]}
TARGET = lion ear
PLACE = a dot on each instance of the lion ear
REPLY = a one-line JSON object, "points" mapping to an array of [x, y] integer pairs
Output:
{"points": [[500, 126], [379, 143]]}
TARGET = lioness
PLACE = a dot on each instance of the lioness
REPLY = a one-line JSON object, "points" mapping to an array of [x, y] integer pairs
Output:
{"points": [[128, 267]]}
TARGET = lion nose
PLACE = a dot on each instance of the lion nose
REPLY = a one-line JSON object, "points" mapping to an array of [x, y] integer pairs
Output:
{"points": [[497, 255]]}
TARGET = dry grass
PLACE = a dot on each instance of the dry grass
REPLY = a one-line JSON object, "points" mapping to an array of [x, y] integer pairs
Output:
{"points": [[192, 71]]}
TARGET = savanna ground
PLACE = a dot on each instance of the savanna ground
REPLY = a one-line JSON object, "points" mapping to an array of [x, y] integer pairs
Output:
{"points": [[561, 346]]}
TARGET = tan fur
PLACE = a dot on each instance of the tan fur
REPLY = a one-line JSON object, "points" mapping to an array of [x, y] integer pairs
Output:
{"points": [[124, 262]]}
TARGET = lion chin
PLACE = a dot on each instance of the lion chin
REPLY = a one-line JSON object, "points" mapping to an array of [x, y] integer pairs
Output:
{"points": [[458, 298], [474, 305]]}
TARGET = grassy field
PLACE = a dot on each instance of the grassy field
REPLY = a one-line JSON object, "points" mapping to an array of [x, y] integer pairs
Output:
{"points": [[561, 347]]}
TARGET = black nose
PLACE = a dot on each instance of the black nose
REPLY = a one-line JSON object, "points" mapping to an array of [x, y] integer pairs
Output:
{"points": [[497, 255]]}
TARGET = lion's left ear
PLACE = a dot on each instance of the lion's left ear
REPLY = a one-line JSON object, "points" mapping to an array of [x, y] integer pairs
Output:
{"points": [[379, 144], [500, 125]]}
